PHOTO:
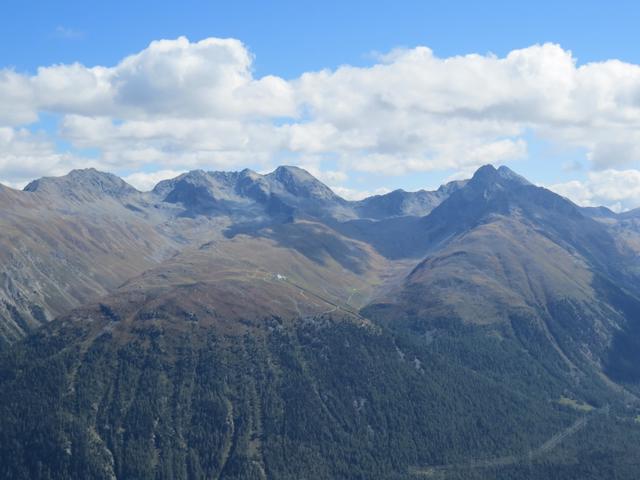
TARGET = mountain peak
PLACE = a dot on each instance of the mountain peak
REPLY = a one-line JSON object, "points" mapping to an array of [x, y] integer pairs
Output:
{"points": [[248, 173], [200, 191], [82, 184], [286, 174], [163, 187], [488, 175], [485, 171], [300, 183], [451, 187], [292, 170], [193, 176], [502, 192], [506, 173]]}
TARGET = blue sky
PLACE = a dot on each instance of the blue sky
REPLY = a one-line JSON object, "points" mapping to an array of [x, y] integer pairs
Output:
{"points": [[287, 39]]}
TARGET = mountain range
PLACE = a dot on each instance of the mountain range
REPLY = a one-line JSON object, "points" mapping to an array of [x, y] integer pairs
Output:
{"points": [[74, 238], [238, 325]]}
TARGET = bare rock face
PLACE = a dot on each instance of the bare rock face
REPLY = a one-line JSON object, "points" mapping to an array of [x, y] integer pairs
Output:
{"points": [[400, 203]]}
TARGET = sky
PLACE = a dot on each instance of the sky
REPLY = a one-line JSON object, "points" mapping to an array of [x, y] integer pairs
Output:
{"points": [[368, 96]]}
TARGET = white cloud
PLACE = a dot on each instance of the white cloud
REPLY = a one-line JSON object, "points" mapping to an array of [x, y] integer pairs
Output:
{"points": [[179, 104], [68, 33], [25, 156], [210, 78], [69, 89], [617, 189], [353, 194], [145, 182], [175, 78], [17, 100], [168, 143], [616, 153], [416, 111]]}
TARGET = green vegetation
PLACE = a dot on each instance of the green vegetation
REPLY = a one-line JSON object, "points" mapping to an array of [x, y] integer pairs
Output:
{"points": [[324, 399]]}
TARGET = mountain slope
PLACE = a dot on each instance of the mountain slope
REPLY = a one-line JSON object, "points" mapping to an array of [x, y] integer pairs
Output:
{"points": [[67, 240], [199, 369], [58, 253], [504, 251], [163, 387], [268, 329]]}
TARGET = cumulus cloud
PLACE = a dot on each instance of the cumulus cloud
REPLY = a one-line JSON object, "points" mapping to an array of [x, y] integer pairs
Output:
{"points": [[179, 104], [353, 194], [419, 112], [25, 156], [145, 182], [176, 78], [17, 100], [617, 189], [167, 142]]}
